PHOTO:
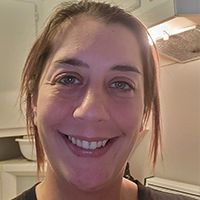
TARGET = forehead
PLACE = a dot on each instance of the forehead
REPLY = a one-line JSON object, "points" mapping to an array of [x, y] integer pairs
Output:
{"points": [[86, 34]]}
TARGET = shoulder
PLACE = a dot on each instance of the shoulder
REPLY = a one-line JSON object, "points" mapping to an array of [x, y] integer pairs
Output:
{"points": [[27, 195], [146, 193], [129, 189]]}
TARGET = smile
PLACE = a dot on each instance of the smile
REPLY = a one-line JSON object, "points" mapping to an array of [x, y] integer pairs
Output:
{"points": [[91, 147], [87, 144]]}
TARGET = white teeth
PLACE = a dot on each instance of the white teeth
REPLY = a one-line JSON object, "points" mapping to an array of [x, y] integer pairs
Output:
{"points": [[78, 143], [104, 143], [99, 144], [73, 140], [93, 145], [86, 144]]}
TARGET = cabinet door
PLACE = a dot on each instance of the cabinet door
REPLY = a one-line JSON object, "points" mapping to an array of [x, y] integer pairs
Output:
{"points": [[17, 32], [180, 109]]}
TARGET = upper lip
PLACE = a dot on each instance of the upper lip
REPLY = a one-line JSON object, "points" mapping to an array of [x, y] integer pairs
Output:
{"points": [[89, 139]]}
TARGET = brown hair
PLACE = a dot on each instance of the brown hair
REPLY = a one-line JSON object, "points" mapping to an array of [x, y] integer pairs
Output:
{"points": [[42, 49]]}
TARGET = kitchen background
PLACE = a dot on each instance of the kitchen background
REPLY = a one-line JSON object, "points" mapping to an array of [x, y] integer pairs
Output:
{"points": [[21, 21]]}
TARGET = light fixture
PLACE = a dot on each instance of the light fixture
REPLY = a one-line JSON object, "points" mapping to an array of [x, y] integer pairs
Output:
{"points": [[171, 27]]}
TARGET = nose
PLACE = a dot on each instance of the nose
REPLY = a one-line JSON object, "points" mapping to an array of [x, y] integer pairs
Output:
{"points": [[92, 108]]}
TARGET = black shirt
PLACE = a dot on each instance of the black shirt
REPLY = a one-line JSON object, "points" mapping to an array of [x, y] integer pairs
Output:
{"points": [[144, 193]]}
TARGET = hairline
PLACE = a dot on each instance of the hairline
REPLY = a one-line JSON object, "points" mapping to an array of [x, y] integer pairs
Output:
{"points": [[64, 27]]}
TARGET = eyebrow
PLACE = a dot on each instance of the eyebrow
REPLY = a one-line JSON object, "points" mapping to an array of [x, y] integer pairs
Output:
{"points": [[80, 63], [73, 62], [126, 68]]}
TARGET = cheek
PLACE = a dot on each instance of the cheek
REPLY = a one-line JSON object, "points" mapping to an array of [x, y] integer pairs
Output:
{"points": [[52, 110], [129, 116]]}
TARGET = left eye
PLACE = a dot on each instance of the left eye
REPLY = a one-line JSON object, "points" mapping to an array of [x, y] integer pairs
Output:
{"points": [[68, 80], [122, 85]]}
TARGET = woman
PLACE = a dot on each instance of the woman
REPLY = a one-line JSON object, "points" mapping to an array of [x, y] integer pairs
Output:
{"points": [[90, 84]]}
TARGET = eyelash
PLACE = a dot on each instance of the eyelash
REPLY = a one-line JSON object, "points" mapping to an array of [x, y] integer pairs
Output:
{"points": [[74, 80], [122, 85], [71, 80]]}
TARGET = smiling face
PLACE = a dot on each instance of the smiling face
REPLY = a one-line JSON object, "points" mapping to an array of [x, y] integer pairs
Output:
{"points": [[90, 102]]}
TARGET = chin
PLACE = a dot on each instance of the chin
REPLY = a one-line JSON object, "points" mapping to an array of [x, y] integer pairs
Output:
{"points": [[90, 182]]}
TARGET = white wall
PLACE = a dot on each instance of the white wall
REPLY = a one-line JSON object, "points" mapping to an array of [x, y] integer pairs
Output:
{"points": [[180, 106], [180, 103], [47, 8], [16, 37]]}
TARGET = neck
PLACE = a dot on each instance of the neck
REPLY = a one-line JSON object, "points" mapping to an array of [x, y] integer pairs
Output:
{"points": [[55, 188]]}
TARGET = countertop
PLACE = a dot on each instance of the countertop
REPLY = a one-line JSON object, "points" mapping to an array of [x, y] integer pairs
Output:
{"points": [[20, 165]]}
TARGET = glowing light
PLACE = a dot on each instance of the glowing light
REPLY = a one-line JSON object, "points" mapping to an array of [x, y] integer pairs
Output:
{"points": [[172, 27]]}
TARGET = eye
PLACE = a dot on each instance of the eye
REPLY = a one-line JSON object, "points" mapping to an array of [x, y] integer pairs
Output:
{"points": [[122, 85], [68, 80]]}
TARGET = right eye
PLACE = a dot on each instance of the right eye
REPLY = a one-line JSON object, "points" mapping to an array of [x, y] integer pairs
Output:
{"points": [[68, 80]]}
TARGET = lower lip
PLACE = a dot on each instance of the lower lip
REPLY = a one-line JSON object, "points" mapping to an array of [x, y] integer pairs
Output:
{"points": [[80, 152]]}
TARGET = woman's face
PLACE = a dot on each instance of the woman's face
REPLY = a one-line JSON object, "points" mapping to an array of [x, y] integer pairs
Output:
{"points": [[90, 102]]}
